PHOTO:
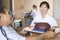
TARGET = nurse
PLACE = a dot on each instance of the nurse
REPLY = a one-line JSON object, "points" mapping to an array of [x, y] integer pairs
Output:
{"points": [[6, 31], [34, 12], [44, 17]]}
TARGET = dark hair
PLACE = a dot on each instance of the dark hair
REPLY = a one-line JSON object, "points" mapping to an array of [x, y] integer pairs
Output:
{"points": [[46, 3], [34, 6], [2, 10]]}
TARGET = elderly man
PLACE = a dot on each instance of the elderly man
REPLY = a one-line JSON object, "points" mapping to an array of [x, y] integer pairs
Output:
{"points": [[6, 31]]}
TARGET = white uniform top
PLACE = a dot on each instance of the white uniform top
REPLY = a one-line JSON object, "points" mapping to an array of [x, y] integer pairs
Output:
{"points": [[47, 19], [34, 13], [11, 33]]}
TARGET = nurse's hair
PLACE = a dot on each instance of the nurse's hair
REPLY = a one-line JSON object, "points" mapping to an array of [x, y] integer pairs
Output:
{"points": [[34, 6], [46, 3]]}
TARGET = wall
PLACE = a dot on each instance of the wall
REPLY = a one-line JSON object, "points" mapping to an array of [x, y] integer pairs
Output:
{"points": [[18, 8], [58, 21], [28, 5], [0, 2], [6, 4], [57, 9]]}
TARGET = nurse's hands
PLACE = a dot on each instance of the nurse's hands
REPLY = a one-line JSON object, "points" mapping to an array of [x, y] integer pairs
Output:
{"points": [[31, 27], [26, 29]]}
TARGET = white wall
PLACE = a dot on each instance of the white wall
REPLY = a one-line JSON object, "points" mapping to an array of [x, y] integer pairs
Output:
{"points": [[57, 9], [17, 8], [6, 4]]}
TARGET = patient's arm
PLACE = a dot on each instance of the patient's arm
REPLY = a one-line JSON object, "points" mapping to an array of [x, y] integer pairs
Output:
{"points": [[30, 38], [37, 37]]}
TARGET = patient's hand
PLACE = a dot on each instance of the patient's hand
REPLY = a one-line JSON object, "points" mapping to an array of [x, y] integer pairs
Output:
{"points": [[30, 38]]}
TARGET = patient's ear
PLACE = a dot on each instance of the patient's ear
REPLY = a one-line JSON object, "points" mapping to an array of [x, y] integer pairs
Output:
{"points": [[6, 11]]}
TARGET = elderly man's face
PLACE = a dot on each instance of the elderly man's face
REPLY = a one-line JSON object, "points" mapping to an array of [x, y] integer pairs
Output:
{"points": [[5, 19]]}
